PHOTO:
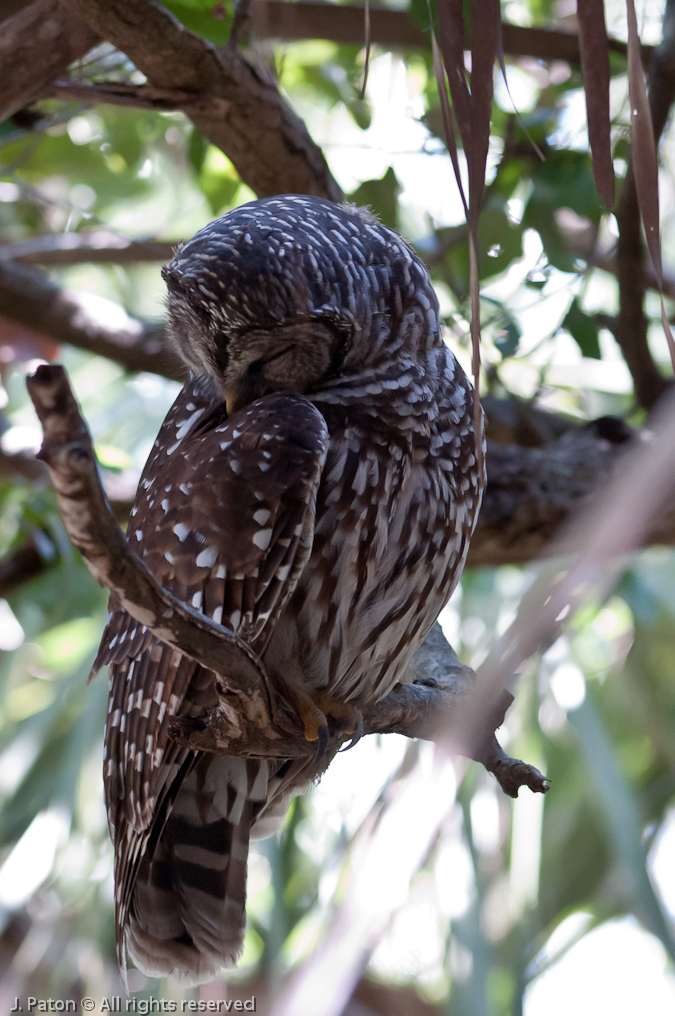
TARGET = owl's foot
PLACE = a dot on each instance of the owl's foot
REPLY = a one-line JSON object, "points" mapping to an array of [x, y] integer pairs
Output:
{"points": [[314, 710]]}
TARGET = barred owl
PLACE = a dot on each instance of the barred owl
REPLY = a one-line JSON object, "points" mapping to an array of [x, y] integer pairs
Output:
{"points": [[314, 488]]}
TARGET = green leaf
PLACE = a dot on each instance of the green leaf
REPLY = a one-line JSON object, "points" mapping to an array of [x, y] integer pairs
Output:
{"points": [[584, 330], [204, 17], [381, 196], [622, 816], [508, 338]]}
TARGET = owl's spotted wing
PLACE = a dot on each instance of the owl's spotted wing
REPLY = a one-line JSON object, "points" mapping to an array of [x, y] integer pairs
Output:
{"points": [[224, 518]]}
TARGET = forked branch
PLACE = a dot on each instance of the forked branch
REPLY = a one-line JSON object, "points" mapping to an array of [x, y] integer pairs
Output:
{"points": [[251, 720]]}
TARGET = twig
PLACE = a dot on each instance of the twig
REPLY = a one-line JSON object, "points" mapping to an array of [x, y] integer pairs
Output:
{"points": [[18, 465], [98, 246], [121, 93], [250, 721], [240, 22]]}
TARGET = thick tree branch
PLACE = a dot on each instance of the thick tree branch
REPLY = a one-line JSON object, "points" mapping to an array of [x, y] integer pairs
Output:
{"points": [[36, 46], [630, 328], [268, 144], [27, 297], [531, 492], [251, 720]]}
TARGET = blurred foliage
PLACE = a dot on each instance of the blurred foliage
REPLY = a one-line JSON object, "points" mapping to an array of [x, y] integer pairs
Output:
{"points": [[596, 713]]}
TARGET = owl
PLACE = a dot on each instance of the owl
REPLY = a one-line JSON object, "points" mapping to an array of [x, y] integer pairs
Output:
{"points": [[313, 488]]}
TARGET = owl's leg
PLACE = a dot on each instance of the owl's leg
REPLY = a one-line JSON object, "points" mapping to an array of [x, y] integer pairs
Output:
{"points": [[313, 708]]}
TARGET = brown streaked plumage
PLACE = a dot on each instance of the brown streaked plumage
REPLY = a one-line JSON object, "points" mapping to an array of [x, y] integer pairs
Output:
{"points": [[314, 488]]}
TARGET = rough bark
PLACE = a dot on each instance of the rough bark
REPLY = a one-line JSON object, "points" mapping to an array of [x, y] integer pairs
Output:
{"points": [[37, 45], [248, 119]]}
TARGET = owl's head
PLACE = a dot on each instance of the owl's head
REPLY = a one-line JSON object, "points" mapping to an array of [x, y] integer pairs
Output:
{"points": [[291, 293]]}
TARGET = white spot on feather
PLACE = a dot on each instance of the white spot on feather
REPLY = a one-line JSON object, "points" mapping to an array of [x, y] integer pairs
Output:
{"points": [[262, 539], [185, 425], [181, 531], [207, 558]]}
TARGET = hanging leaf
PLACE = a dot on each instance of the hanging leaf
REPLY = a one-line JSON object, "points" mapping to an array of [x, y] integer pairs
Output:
{"points": [[366, 43], [594, 52], [451, 31], [584, 330], [645, 162], [382, 196], [473, 110], [485, 31]]}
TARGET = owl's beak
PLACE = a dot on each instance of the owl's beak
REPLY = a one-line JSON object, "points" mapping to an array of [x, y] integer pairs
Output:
{"points": [[246, 389]]}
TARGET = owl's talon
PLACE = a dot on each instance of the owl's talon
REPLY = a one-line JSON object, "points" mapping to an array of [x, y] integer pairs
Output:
{"points": [[323, 739], [357, 734]]}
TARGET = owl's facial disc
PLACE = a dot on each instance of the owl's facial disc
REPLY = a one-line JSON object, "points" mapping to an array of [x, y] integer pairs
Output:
{"points": [[293, 357]]}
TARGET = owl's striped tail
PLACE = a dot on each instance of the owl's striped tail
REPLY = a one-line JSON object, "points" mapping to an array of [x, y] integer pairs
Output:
{"points": [[187, 915]]}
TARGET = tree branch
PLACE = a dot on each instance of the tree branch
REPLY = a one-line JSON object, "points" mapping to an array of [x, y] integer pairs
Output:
{"points": [[251, 720], [97, 247], [393, 29], [247, 118], [630, 328], [33, 558], [36, 46], [28, 297], [531, 490]]}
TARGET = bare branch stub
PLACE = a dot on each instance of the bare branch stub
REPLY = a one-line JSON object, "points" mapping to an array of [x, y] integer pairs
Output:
{"points": [[251, 721]]}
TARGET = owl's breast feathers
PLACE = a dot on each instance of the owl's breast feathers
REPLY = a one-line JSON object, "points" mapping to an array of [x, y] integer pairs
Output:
{"points": [[396, 507]]}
